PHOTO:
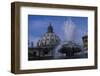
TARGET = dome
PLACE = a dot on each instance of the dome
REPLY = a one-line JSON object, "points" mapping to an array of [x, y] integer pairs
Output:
{"points": [[50, 39]]}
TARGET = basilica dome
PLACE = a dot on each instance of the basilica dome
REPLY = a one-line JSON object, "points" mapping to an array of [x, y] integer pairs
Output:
{"points": [[49, 39]]}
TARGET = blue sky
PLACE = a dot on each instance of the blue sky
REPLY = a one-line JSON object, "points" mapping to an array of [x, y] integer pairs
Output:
{"points": [[38, 24]]}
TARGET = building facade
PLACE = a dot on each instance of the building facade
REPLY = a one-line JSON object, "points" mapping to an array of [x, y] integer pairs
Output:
{"points": [[85, 42]]}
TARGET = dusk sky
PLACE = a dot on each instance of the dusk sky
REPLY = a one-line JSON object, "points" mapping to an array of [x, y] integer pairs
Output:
{"points": [[66, 27]]}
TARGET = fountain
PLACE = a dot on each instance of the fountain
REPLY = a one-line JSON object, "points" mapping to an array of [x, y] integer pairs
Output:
{"points": [[69, 46], [66, 49]]}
